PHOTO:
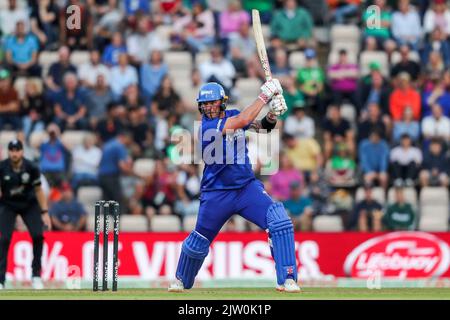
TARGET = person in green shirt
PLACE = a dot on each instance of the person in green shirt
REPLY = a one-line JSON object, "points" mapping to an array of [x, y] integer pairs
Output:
{"points": [[311, 81], [340, 169], [294, 26], [377, 22], [265, 8], [293, 97], [400, 215]]}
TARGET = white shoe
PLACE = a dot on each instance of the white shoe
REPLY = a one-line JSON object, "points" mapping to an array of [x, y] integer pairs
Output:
{"points": [[289, 286], [36, 283], [176, 286], [2, 286]]}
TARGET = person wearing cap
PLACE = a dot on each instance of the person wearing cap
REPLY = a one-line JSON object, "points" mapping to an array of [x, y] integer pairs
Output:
{"points": [[404, 96], [68, 214], [21, 193], [9, 102], [311, 81]]}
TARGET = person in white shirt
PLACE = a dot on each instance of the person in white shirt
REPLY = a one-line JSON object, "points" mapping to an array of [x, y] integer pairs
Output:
{"points": [[405, 161], [122, 76], [438, 15], [85, 161], [406, 27], [88, 72], [299, 124], [141, 43], [436, 125], [11, 15], [218, 69]]}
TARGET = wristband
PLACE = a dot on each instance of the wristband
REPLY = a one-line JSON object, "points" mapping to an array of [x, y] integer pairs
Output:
{"points": [[268, 124]]}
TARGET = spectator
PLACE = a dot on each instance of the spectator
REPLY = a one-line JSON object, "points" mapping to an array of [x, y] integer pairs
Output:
{"points": [[134, 9], [113, 51], [188, 191], [88, 72], [151, 74], [70, 105], [167, 101], [54, 157], [160, 190], [281, 180], [436, 125], [435, 66], [293, 25], [373, 159], [342, 9], [144, 41], [399, 215], [97, 100], [280, 67], [139, 128], [436, 43], [374, 90], [436, 166], [44, 22], [77, 35], [343, 77], [68, 214], [265, 8], [9, 102], [54, 79], [406, 126], [406, 26], [114, 162], [122, 76], [293, 97], [218, 69], [299, 206], [437, 17], [404, 96], [341, 167], [382, 33], [405, 161], [311, 80], [242, 46], [131, 99], [169, 8], [438, 93], [335, 130], [367, 215], [231, 20], [373, 121], [108, 17], [10, 16], [22, 51], [85, 161], [36, 110], [305, 154], [110, 126], [319, 192], [197, 29], [299, 124], [405, 64]]}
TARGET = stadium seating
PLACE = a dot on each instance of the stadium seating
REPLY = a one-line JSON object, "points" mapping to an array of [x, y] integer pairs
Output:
{"points": [[328, 224], [410, 196], [189, 223], [46, 58], [72, 138], [377, 194], [144, 167], [434, 209], [396, 57], [248, 89], [165, 224], [133, 223], [367, 57], [78, 57], [334, 56], [37, 138], [88, 195], [6, 136], [297, 60]]}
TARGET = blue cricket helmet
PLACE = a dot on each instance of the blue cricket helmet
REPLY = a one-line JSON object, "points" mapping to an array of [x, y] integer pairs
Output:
{"points": [[211, 91]]}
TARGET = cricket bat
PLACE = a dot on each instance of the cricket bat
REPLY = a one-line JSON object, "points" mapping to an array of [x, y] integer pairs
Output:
{"points": [[260, 46]]}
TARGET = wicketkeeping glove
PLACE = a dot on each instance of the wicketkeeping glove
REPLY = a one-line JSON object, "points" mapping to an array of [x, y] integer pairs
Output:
{"points": [[269, 89], [278, 105]]}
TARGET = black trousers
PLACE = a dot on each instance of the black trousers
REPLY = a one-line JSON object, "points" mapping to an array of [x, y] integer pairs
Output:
{"points": [[409, 171], [112, 189], [32, 218]]}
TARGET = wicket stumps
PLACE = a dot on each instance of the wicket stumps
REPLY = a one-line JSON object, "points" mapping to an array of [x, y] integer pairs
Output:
{"points": [[107, 208]]}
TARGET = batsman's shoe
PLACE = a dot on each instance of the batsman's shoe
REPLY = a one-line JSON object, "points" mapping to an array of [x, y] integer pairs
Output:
{"points": [[36, 283], [2, 286], [289, 286], [176, 286]]}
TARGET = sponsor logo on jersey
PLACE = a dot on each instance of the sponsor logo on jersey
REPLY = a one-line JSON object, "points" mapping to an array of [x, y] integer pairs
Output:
{"points": [[399, 255]]}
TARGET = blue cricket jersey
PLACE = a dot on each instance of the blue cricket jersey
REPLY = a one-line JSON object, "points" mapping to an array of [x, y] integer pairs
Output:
{"points": [[227, 165]]}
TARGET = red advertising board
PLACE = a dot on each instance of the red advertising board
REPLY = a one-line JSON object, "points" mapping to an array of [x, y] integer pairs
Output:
{"points": [[321, 256]]}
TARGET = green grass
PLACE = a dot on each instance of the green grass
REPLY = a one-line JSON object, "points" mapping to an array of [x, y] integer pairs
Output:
{"points": [[232, 293]]}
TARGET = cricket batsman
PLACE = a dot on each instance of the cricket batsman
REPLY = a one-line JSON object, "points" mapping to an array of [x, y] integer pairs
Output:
{"points": [[229, 185]]}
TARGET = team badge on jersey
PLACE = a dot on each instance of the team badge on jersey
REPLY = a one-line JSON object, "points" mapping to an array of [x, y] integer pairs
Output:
{"points": [[25, 177]]}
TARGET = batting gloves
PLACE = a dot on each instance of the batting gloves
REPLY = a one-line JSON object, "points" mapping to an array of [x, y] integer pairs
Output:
{"points": [[269, 89], [278, 105]]}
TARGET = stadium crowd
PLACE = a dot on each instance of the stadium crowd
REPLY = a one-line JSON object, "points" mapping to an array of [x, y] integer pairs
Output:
{"points": [[346, 128]]}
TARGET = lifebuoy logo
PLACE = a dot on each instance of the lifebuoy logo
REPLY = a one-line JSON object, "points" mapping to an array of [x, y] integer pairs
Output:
{"points": [[399, 255]]}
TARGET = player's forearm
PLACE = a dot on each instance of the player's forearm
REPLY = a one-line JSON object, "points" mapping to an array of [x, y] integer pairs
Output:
{"points": [[251, 112], [42, 200]]}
